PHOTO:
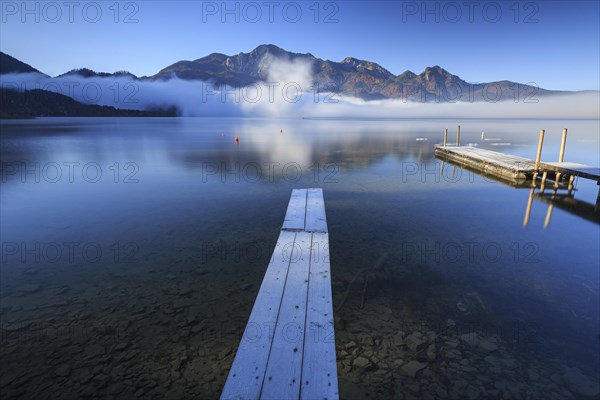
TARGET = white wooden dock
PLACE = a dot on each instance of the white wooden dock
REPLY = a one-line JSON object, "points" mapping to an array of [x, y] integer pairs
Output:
{"points": [[489, 162], [513, 168], [288, 347], [571, 168]]}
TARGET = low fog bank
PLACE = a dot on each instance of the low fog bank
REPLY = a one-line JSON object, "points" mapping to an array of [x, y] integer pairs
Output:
{"points": [[585, 105], [288, 91]]}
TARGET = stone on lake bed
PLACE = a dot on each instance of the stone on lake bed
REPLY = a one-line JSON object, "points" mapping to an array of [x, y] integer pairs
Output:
{"points": [[470, 338], [414, 343], [361, 364], [351, 345], [487, 345], [431, 351], [412, 367]]}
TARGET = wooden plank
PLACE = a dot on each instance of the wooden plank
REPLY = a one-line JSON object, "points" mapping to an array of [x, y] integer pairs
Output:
{"points": [[296, 212], [508, 161], [288, 348], [582, 170], [284, 369], [319, 369], [484, 154], [490, 162], [315, 211], [247, 372], [490, 157]]}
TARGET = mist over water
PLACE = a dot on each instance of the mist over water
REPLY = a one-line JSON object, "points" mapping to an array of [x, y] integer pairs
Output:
{"points": [[289, 91]]}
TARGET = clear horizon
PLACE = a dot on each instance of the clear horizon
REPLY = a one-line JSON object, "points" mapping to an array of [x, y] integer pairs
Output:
{"points": [[479, 41]]}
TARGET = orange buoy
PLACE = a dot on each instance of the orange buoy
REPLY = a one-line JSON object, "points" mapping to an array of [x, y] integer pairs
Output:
{"points": [[237, 139]]}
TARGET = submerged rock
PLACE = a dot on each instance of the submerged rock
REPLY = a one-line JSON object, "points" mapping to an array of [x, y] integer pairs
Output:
{"points": [[487, 345], [431, 352], [414, 343], [412, 367], [361, 364], [470, 338], [351, 345]]}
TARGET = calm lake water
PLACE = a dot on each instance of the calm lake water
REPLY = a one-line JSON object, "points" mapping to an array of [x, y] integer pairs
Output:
{"points": [[133, 250]]}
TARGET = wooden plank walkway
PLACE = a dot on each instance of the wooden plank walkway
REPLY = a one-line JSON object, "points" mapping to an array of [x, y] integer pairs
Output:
{"points": [[571, 168], [490, 162], [511, 167], [288, 347]]}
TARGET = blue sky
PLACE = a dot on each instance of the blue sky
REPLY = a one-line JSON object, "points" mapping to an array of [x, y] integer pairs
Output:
{"points": [[555, 44]]}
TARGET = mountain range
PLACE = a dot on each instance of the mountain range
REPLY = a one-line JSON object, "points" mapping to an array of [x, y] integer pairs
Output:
{"points": [[350, 77]]}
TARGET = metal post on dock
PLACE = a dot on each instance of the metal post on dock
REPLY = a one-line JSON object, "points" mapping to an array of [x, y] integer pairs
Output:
{"points": [[445, 136], [538, 155], [458, 136]]}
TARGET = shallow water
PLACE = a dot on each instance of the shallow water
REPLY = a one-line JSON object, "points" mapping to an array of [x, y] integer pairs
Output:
{"points": [[133, 249]]}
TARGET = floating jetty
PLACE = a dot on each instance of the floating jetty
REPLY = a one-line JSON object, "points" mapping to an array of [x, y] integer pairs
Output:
{"points": [[522, 172], [513, 168], [288, 347], [517, 169]]}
